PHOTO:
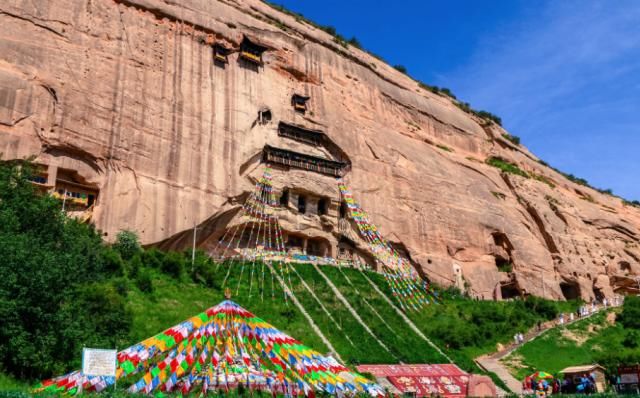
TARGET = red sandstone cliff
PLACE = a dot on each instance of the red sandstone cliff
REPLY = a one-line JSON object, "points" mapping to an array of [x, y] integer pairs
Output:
{"points": [[122, 99]]}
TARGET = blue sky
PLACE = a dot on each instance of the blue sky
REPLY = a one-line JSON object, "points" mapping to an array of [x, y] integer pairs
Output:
{"points": [[563, 75]]}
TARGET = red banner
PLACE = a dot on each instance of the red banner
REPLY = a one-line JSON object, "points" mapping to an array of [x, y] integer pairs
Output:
{"points": [[425, 380]]}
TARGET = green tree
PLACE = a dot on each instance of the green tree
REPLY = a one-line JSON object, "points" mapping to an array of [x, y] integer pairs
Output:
{"points": [[630, 315], [47, 262]]}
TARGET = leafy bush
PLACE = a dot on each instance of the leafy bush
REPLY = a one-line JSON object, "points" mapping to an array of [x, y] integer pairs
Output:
{"points": [[203, 269], [505, 267], [400, 68], [144, 281], [173, 264], [113, 263], [355, 42], [436, 90], [127, 244], [153, 258], [513, 138], [489, 116], [543, 308], [506, 166], [630, 315], [134, 266]]}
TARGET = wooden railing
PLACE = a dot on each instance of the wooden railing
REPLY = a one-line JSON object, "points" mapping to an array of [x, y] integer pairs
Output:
{"points": [[304, 162]]}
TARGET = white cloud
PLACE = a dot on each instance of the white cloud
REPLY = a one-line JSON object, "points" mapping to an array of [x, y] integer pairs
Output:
{"points": [[564, 77]]}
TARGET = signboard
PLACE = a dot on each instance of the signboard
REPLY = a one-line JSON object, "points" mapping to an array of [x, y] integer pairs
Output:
{"points": [[98, 362], [628, 374]]}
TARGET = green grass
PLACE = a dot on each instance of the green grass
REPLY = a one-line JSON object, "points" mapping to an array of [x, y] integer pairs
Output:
{"points": [[580, 343], [463, 328], [468, 328], [506, 166], [7, 383], [444, 148]]}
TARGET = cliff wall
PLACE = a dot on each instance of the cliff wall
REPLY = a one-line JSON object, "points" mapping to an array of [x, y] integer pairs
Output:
{"points": [[124, 98]]}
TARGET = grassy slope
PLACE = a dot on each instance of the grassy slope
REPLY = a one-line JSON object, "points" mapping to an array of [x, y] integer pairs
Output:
{"points": [[173, 301], [577, 344], [9, 383]]}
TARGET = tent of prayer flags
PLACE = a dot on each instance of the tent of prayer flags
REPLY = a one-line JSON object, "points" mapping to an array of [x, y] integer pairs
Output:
{"points": [[411, 291], [223, 348], [257, 239]]}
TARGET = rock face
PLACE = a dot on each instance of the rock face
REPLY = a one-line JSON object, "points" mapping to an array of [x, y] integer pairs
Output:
{"points": [[122, 103]]}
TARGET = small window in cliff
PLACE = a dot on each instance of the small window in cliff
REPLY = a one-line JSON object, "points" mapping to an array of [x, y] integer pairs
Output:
{"points": [[323, 207], [302, 204], [299, 103], [284, 198], [264, 116], [343, 210], [252, 52], [220, 54]]}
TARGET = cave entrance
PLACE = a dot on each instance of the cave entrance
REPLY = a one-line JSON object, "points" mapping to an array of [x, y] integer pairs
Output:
{"points": [[284, 198], [317, 247], [323, 206], [570, 290], [598, 293], [343, 210], [294, 243], [625, 267], [510, 290], [302, 204]]}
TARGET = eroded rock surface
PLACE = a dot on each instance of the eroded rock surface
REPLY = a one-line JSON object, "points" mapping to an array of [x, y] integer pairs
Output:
{"points": [[124, 98]]}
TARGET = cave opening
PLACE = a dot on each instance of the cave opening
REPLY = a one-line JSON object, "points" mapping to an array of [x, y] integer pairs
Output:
{"points": [[284, 198], [302, 204], [294, 242], [570, 290], [501, 240], [264, 116], [317, 247], [343, 210], [625, 267], [323, 207], [510, 290]]}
